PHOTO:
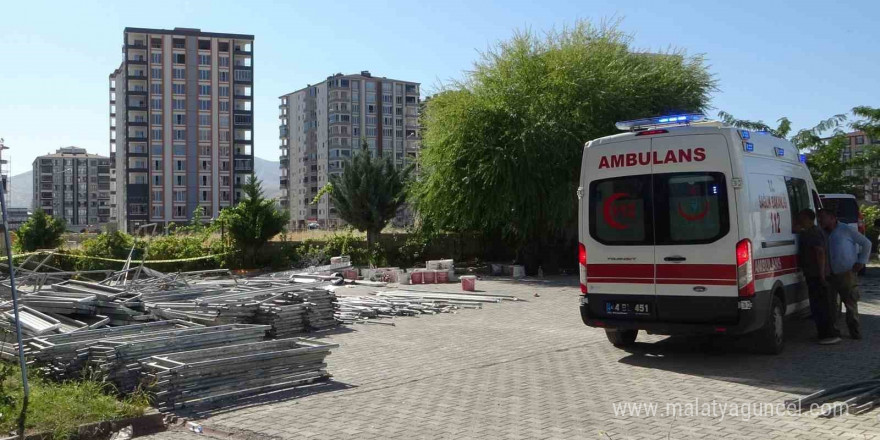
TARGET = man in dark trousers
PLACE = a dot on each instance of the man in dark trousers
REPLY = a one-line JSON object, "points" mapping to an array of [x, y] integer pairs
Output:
{"points": [[849, 251], [813, 260]]}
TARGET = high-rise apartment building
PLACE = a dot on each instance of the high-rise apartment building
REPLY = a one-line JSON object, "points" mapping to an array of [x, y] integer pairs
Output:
{"points": [[73, 185], [323, 125], [181, 124]]}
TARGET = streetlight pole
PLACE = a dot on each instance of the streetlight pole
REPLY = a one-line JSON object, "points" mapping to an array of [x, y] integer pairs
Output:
{"points": [[7, 241]]}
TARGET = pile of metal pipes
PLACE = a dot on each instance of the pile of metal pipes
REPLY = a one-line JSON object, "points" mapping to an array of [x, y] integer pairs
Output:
{"points": [[447, 297], [361, 309], [205, 377], [852, 398], [64, 356]]}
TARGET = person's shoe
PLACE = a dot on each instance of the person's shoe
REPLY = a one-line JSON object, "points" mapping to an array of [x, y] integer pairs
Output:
{"points": [[829, 341]]}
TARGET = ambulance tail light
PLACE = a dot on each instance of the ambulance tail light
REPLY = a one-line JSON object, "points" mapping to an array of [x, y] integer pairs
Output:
{"points": [[745, 278], [582, 265]]}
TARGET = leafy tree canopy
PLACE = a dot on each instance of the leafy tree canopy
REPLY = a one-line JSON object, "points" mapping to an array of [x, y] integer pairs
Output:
{"points": [[502, 148], [40, 231]]}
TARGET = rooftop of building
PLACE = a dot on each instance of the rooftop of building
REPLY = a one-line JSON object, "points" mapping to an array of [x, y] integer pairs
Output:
{"points": [[192, 32], [364, 74], [72, 152], [851, 133]]}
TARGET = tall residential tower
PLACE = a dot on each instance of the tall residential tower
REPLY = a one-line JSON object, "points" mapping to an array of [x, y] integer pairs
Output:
{"points": [[181, 124], [74, 186], [322, 125]]}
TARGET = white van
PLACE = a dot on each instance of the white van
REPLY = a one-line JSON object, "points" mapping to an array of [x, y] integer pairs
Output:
{"points": [[685, 227]]}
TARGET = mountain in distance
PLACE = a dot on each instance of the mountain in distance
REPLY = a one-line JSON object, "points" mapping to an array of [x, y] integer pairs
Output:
{"points": [[21, 192]]}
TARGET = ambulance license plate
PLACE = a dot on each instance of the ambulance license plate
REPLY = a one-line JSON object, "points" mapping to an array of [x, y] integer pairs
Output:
{"points": [[627, 308]]}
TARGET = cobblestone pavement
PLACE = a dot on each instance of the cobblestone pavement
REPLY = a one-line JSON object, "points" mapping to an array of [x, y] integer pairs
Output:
{"points": [[531, 369]]}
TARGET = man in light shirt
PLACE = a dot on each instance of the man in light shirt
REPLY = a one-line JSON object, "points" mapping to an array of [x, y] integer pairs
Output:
{"points": [[849, 252]]}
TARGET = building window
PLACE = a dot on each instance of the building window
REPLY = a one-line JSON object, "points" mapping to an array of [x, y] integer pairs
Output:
{"points": [[204, 75], [178, 58], [180, 180], [157, 149], [156, 103], [204, 180], [156, 73], [179, 196], [179, 135], [179, 104], [223, 90], [204, 90], [157, 165], [205, 104], [178, 89], [179, 211], [156, 118], [179, 118], [223, 61], [223, 106], [860, 140], [157, 181], [205, 60], [157, 210], [156, 133], [223, 75], [156, 57], [179, 73], [204, 135], [179, 150], [205, 150], [204, 120], [156, 88], [242, 75]]}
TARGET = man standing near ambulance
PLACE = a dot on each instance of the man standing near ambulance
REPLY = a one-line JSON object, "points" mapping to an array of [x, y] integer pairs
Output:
{"points": [[849, 252], [813, 260]]}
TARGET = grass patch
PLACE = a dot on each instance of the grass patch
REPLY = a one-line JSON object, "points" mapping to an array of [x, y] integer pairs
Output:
{"points": [[59, 408]]}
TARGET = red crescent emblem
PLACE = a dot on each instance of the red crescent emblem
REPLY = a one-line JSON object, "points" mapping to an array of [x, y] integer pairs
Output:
{"points": [[609, 216], [693, 217]]}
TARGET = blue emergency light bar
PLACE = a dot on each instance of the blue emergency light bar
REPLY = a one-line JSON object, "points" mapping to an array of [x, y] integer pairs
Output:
{"points": [[636, 124], [802, 158]]}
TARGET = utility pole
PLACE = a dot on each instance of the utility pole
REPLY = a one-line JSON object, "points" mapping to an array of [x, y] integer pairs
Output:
{"points": [[8, 242]]}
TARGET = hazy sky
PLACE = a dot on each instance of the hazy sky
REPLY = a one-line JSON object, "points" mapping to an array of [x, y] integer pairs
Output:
{"points": [[802, 59]]}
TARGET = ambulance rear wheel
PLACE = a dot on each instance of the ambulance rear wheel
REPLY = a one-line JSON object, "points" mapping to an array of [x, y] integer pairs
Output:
{"points": [[621, 338], [771, 338]]}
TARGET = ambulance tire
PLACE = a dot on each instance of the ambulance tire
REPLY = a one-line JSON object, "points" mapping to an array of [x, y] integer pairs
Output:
{"points": [[621, 338], [771, 337]]}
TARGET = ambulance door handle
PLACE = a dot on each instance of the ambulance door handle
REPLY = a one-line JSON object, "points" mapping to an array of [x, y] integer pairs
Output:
{"points": [[675, 258]]}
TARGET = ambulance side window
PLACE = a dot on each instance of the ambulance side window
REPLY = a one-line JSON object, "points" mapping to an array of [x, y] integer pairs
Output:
{"points": [[817, 202], [798, 196], [691, 208], [620, 211]]}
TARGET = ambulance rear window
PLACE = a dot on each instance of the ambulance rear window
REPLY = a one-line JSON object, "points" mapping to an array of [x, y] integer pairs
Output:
{"points": [[691, 208], [620, 212], [662, 209]]}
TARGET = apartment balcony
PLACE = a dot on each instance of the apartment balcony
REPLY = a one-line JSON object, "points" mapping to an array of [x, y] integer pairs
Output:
{"points": [[138, 45], [136, 93], [136, 75], [283, 131], [237, 96], [137, 138], [135, 153], [283, 161], [240, 141], [138, 123], [136, 105], [241, 50], [283, 181], [137, 61]]}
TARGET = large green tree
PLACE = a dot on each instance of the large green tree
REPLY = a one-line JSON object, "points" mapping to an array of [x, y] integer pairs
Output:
{"points": [[502, 148], [369, 193], [253, 221], [40, 231]]}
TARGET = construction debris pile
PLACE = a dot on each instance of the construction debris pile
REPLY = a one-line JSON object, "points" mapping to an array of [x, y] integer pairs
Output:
{"points": [[203, 337], [192, 337]]}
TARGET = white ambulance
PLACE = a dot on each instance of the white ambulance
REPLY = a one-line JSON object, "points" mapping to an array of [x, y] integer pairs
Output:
{"points": [[685, 227]]}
